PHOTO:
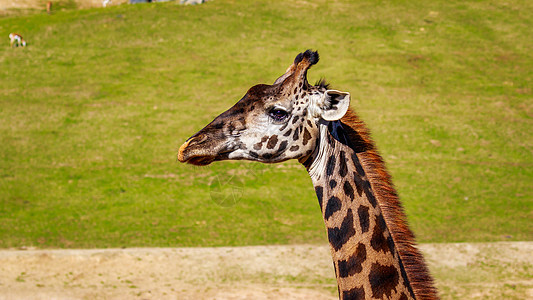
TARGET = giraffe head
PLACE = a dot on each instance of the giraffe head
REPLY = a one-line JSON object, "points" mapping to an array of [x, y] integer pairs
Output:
{"points": [[271, 123]]}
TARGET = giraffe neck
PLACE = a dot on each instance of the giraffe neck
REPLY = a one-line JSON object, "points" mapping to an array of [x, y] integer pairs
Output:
{"points": [[366, 260]]}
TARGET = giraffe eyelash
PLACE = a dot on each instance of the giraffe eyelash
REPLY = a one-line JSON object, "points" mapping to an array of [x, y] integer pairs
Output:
{"points": [[278, 114]]}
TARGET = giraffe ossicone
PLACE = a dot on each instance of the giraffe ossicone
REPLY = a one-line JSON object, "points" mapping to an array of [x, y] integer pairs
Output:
{"points": [[373, 250]]}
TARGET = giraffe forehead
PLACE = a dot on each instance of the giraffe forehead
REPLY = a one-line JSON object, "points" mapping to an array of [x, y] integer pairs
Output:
{"points": [[263, 97]]}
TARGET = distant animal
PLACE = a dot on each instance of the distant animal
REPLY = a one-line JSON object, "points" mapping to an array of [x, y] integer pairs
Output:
{"points": [[49, 7], [105, 2], [16, 40]]}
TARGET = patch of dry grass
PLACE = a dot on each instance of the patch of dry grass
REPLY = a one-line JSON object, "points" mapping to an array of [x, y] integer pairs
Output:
{"points": [[17, 7]]}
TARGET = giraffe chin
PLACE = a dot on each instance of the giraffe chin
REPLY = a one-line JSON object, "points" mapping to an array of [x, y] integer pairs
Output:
{"points": [[200, 160]]}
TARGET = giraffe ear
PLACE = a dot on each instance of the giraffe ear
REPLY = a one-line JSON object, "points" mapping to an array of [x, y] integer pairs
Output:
{"points": [[335, 104]]}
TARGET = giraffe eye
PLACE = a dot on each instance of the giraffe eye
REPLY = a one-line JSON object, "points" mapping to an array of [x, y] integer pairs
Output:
{"points": [[278, 114]]}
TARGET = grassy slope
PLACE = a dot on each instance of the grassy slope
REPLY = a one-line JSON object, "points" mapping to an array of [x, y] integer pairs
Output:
{"points": [[93, 110]]}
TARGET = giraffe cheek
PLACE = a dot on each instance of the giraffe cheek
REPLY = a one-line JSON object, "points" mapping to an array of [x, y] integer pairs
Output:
{"points": [[283, 146]]}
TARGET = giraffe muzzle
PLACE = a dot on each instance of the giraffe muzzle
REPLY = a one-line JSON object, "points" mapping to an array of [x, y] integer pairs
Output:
{"points": [[195, 152]]}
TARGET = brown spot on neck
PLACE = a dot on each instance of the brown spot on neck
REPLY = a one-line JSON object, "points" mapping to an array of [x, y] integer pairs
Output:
{"points": [[338, 236], [383, 280], [354, 264]]}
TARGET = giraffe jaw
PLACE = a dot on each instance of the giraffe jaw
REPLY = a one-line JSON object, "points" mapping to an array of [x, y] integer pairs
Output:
{"points": [[199, 160]]}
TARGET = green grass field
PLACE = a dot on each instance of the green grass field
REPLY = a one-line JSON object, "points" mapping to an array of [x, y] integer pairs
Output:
{"points": [[93, 111]]}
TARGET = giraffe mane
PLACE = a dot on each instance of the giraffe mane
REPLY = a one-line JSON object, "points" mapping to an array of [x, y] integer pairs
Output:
{"points": [[322, 84], [388, 200]]}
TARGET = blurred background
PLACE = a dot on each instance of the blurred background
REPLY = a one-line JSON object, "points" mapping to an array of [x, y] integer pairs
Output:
{"points": [[94, 108]]}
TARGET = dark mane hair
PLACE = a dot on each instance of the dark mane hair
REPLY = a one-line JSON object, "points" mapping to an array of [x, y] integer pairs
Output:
{"points": [[322, 83], [387, 198]]}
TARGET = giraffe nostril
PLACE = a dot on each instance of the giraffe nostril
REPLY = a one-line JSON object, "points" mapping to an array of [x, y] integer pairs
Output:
{"points": [[196, 140]]}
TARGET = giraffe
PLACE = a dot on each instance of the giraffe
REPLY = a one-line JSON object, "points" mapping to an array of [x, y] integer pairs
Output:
{"points": [[374, 252]]}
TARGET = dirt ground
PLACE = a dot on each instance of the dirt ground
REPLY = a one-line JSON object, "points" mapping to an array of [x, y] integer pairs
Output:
{"points": [[462, 271]]}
